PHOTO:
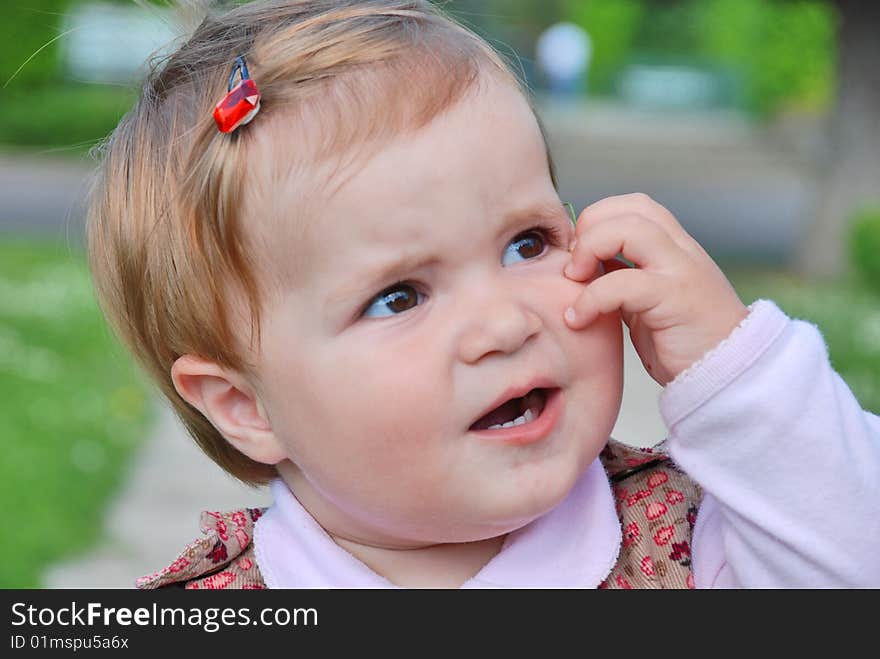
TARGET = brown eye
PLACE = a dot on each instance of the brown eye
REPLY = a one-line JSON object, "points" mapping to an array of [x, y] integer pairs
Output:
{"points": [[525, 246], [392, 301]]}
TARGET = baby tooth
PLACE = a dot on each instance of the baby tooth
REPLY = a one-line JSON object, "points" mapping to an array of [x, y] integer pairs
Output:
{"points": [[518, 421]]}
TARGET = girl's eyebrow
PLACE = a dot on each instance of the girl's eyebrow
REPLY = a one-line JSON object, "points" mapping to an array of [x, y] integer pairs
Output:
{"points": [[366, 284], [548, 210]]}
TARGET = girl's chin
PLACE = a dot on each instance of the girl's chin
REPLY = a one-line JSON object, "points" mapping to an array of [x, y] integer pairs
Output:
{"points": [[516, 517]]}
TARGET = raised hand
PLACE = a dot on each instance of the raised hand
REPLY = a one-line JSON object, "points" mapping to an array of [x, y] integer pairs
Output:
{"points": [[677, 303]]}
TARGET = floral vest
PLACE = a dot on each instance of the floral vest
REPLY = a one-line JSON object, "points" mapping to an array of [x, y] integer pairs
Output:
{"points": [[656, 504]]}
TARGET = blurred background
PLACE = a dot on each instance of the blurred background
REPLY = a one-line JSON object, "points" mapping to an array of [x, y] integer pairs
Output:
{"points": [[757, 122]]}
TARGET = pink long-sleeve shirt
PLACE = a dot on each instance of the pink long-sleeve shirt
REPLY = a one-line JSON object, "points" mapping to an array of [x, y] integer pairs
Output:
{"points": [[788, 460]]}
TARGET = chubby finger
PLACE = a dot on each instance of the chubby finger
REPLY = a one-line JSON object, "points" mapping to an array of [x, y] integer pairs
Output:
{"points": [[637, 203], [638, 239], [628, 290]]}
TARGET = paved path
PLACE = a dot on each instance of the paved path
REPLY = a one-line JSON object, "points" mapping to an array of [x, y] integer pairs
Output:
{"points": [[44, 194], [157, 511]]}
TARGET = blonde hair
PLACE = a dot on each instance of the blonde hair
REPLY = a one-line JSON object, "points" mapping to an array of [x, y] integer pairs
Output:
{"points": [[164, 229]]}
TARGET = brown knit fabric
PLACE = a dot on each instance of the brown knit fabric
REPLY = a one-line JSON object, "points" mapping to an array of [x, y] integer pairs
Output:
{"points": [[656, 503], [223, 558]]}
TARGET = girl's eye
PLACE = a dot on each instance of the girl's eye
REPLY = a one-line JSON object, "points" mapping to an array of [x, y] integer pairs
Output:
{"points": [[392, 301], [525, 246]]}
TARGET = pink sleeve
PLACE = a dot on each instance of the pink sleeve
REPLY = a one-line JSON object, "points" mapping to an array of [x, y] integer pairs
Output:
{"points": [[789, 461]]}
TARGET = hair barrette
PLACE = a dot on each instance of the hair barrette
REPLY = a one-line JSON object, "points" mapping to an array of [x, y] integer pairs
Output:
{"points": [[242, 101]]}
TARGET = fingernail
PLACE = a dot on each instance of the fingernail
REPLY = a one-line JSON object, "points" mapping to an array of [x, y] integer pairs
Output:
{"points": [[570, 315], [573, 245]]}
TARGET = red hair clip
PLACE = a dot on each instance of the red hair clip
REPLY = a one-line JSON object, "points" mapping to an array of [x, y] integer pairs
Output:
{"points": [[242, 101]]}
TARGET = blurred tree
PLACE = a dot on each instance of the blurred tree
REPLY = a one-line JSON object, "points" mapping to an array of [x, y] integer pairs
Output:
{"points": [[772, 55], [511, 26], [29, 40], [783, 53], [852, 170], [44, 107], [31, 37], [612, 26], [517, 24]]}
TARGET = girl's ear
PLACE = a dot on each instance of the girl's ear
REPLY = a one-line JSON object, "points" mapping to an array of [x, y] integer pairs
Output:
{"points": [[229, 402]]}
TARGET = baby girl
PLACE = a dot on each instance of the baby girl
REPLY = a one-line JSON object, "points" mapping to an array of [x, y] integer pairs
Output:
{"points": [[356, 281]]}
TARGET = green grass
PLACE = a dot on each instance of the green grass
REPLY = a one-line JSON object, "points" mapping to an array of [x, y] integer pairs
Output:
{"points": [[66, 117], [72, 409], [846, 311]]}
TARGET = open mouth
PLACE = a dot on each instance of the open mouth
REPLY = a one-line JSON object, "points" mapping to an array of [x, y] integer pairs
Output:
{"points": [[514, 412]]}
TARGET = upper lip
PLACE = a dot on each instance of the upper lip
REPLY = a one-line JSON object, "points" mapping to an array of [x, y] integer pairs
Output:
{"points": [[517, 391]]}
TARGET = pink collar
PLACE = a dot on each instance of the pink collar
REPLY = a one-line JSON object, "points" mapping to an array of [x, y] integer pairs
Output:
{"points": [[575, 545]]}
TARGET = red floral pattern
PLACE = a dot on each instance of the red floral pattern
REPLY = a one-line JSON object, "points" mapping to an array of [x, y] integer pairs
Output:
{"points": [[218, 554], [681, 552], [657, 506], [664, 535], [631, 534], [215, 562]]}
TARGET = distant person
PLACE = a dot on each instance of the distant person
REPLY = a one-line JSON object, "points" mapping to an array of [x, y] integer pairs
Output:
{"points": [[370, 296], [563, 54]]}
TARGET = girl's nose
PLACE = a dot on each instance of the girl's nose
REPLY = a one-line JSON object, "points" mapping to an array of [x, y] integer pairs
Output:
{"points": [[501, 325]]}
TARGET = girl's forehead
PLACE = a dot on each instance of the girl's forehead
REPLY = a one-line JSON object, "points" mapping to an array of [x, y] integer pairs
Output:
{"points": [[479, 153], [333, 145]]}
